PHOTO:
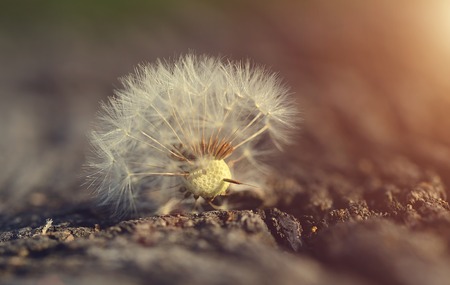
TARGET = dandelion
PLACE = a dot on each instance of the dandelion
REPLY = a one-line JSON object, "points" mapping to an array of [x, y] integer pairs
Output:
{"points": [[194, 128]]}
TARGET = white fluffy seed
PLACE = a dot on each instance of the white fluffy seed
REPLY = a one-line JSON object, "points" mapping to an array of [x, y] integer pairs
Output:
{"points": [[198, 123]]}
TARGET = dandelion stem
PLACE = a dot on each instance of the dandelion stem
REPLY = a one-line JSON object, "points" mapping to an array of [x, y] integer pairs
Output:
{"points": [[159, 174], [252, 136], [247, 126], [173, 153], [167, 123]]}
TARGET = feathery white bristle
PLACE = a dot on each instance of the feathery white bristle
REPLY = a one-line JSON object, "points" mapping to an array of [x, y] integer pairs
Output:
{"points": [[170, 119]]}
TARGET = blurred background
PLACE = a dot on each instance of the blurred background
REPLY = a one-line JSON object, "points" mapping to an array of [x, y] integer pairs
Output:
{"points": [[371, 78]]}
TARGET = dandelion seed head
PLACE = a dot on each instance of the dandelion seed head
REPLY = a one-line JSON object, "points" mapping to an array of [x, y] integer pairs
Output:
{"points": [[199, 124]]}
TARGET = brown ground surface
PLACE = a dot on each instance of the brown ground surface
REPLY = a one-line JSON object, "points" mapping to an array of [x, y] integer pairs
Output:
{"points": [[360, 198]]}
